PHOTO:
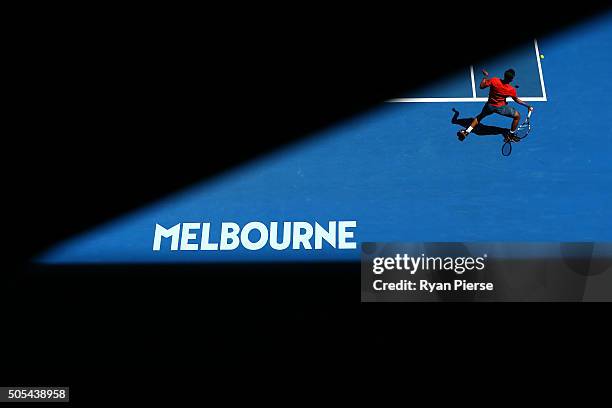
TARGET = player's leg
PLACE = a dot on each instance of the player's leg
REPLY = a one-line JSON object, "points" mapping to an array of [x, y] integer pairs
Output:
{"points": [[462, 134], [516, 117], [515, 121], [509, 112], [486, 110]]}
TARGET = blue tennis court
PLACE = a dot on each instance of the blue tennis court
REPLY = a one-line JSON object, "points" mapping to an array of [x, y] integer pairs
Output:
{"points": [[401, 173]]}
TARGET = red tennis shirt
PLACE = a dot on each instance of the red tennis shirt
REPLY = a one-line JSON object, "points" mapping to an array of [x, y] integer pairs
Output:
{"points": [[499, 91]]}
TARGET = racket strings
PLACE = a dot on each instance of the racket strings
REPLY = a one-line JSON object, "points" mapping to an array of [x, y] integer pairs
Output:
{"points": [[523, 130]]}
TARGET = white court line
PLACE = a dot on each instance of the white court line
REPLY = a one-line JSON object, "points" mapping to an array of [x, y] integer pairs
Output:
{"points": [[537, 51], [542, 98], [527, 99], [473, 82]]}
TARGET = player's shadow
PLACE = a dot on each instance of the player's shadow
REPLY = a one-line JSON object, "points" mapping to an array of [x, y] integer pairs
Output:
{"points": [[480, 130]]}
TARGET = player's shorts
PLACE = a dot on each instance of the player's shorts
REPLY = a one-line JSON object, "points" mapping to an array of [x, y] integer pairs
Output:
{"points": [[504, 110]]}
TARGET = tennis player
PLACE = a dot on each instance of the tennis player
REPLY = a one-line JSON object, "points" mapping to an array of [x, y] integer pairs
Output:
{"points": [[500, 90]]}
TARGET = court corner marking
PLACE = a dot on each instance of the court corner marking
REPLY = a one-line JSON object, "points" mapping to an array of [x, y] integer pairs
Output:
{"points": [[414, 100], [542, 98], [537, 51]]}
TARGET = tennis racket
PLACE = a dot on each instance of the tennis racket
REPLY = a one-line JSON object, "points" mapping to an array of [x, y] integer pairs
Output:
{"points": [[524, 128], [521, 132]]}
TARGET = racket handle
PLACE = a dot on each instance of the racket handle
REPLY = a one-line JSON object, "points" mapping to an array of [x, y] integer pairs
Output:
{"points": [[529, 114]]}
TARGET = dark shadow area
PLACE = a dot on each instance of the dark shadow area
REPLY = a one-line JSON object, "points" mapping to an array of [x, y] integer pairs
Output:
{"points": [[117, 109], [159, 327], [481, 129]]}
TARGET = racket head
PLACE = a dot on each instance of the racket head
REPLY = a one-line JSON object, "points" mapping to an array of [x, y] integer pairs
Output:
{"points": [[507, 149], [523, 130]]}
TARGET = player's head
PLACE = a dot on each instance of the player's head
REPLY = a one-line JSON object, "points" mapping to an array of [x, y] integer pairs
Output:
{"points": [[509, 75]]}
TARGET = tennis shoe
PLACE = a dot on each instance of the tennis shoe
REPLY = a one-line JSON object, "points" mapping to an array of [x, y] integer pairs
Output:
{"points": [[510, 137]]}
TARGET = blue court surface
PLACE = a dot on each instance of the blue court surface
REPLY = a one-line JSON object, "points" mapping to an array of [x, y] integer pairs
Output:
{"points": [[401, 173]]}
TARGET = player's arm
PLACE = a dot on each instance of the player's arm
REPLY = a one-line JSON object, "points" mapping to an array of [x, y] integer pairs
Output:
{"points": [[521, 102], [485, 81]]}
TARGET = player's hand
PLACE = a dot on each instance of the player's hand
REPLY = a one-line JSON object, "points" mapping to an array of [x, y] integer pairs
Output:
{"points": [[530, 108], [485, 73]]}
